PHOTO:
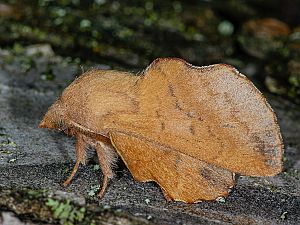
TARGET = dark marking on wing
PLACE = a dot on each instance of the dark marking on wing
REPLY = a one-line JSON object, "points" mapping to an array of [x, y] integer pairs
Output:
{"points": [[172, 93], [212, 177], [157, 114], [171, 90], [200, 118], [260, 144], [207, 174], [178, 106], [227, 125], [192, 130], [163, 126]]}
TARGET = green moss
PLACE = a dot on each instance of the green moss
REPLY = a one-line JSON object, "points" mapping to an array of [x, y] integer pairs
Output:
{"points": [[43, 207], [35, 193], [93, 190], [48, 74], [292, 173], [8, 142], [27, 63], [66, 212]]}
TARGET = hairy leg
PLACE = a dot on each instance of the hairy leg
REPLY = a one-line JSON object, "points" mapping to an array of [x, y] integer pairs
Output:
{"points": [[80, 157], [107, 157]]}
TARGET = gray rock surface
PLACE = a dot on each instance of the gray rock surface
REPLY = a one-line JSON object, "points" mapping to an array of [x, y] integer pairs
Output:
{"points": [[41, 159], [8, 218]]}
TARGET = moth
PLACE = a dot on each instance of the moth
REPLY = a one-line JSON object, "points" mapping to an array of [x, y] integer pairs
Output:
{"points": [[189, 129]]}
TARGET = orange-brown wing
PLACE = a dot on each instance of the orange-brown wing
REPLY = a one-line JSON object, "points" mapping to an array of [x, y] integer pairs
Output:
{"points": [[213, 114], [181, 177]]}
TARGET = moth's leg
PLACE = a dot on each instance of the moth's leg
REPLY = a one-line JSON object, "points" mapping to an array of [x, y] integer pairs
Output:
{"points": [[80, 156], [107, 157]]}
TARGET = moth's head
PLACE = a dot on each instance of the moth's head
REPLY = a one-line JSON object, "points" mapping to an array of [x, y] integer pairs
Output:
{"points": [[54, 118]]}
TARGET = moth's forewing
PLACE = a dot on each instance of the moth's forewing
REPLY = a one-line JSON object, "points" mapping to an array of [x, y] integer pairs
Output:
{"points": [[213, 114], [183, 178]]}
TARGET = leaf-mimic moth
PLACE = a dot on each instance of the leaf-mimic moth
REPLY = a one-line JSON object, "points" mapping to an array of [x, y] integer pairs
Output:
{"points": [[188, 128]]}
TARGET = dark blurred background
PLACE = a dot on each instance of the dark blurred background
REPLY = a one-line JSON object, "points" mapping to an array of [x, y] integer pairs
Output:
{"points": [[259, 37]]}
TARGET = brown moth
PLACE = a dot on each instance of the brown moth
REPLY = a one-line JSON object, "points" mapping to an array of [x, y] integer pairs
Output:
{"points": [[188, 128]]}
